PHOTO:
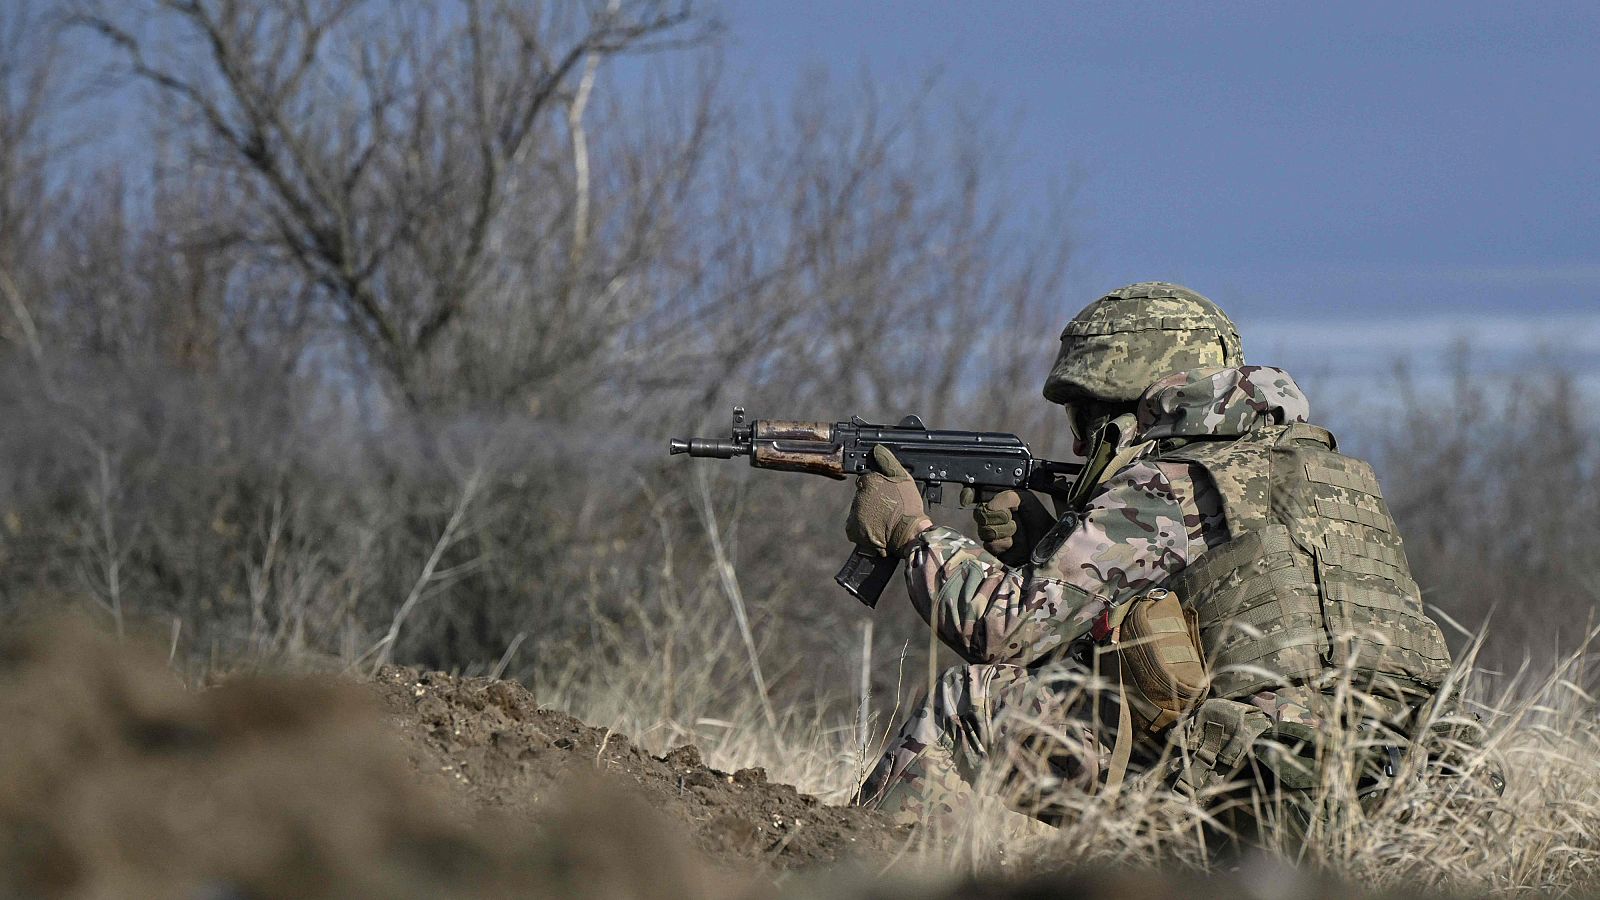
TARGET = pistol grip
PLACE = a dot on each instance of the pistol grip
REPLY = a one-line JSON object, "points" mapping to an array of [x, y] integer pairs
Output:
{"points": [[865, 575]]}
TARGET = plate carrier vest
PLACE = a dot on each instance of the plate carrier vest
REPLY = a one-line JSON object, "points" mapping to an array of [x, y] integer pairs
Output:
{"points": [[1313, 578]]}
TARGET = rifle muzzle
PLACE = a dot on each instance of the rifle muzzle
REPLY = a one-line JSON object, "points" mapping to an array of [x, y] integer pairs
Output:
{"points": [[710, 447]]}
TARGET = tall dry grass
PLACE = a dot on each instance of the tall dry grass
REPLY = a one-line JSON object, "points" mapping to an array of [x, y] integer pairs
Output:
{"points": [[681, 679]]}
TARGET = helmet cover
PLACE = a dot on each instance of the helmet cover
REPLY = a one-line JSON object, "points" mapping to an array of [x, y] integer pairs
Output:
{"points": [[1127, 340]]}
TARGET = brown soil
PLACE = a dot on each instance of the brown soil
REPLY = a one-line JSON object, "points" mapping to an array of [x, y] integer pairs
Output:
{"points": [[499, 750]]}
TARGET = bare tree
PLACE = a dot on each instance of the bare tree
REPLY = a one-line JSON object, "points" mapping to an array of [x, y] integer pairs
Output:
{"points": [[378, 149]]}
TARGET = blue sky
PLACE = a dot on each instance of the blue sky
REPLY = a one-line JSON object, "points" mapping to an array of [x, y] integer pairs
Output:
{"points": [[1428, 165]]}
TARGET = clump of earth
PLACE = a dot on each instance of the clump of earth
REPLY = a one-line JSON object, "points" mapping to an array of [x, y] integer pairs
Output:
{"points": [[500, 751]]}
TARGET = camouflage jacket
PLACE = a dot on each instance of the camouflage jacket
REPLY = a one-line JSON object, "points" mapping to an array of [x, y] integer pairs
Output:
{"points": [[1148, 520]]}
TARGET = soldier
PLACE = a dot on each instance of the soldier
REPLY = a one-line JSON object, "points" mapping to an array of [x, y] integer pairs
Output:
{"points": [[1204, 479]]}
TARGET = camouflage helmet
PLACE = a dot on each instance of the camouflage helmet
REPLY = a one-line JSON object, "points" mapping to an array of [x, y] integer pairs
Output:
{"points": [[1122, 343]]}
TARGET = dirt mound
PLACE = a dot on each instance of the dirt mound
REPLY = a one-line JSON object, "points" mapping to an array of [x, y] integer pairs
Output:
{"points": [[118, 781], [494, 744]]}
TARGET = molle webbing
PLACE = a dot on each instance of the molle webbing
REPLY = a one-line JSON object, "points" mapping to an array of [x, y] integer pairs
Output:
{"points": [[1359, 482], [1349, 512], [1340, 547], [1313, 576], [1260, 617]]}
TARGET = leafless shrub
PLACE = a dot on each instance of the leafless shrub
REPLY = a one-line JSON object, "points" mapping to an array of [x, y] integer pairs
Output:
{"points": [[372, 253], [1495, 479], [29, 83]]}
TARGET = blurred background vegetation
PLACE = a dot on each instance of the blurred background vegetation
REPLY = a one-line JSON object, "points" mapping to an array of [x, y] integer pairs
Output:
{"points": [[371, 351]]}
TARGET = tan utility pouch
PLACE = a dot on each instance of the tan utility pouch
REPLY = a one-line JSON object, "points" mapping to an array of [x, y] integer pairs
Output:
{"points": [[1162, 667], [1161, 670]]}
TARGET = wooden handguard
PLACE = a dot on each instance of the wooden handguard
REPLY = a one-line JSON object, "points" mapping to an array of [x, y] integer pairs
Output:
{"points": [[811, 457]]}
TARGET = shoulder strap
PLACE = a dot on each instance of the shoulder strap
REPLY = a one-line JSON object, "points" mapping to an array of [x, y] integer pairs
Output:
{"points": [[1304, 431], [1122, 749]]}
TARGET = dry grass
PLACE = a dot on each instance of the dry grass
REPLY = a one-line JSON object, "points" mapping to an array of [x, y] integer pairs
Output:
{"points": [[1431, 833]]}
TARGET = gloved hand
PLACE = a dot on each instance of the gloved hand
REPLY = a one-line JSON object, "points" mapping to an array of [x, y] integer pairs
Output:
{"points": [[1010, 524], [887, 513]]}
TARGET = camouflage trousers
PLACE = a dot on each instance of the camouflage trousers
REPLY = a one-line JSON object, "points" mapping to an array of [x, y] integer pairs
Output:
{"points": [[1023, 733], [1030, 734]]}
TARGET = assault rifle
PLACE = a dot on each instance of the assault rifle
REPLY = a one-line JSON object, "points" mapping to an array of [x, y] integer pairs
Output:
{"points": [[986, 461]]}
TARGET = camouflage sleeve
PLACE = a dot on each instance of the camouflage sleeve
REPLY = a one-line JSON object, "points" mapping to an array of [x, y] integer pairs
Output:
{"points": [[1131, 536], [1134, 534], [976, 602]]}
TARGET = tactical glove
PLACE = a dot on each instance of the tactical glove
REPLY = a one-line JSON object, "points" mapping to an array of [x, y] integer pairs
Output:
{"points": [[1010, 524], [887, 514]]}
